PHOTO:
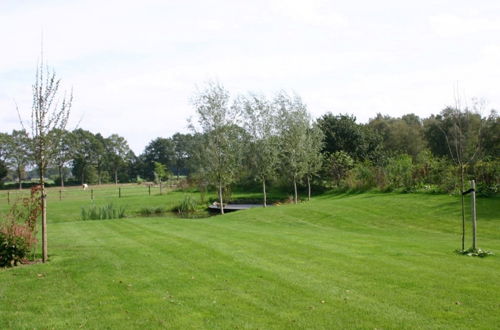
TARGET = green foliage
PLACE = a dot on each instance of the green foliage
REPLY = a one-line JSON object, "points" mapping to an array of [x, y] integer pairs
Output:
{"points": [[108, 211], [399, 172], [160, 172], [152, 211], [16, 241], [3, 171], [187, 206], [337, 165], [18, 229], [342, 133]]}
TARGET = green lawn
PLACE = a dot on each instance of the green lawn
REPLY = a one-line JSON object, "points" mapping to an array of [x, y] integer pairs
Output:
{"points": [[340, 261]]}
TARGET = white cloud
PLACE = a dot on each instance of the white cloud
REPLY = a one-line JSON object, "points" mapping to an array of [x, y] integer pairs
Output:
{"points": [[450, 26]]}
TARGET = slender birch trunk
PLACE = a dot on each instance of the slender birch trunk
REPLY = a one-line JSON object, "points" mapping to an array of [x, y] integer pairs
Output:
{"points": [[220, 198], [462, 183], [295, 189], [19, 178], [264, 191], [473, 211], [44, 214], [308, 189], [61, 176]]}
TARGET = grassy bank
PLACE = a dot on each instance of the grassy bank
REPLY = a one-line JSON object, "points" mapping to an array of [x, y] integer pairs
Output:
{"points": [[339, 261]]}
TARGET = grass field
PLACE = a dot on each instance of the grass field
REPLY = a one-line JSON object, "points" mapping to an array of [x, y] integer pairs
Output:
{"points": [[340, 261]]}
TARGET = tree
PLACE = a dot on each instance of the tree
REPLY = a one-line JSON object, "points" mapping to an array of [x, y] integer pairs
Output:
{"points": [[221, 156], [161, 173], [117, 150], [461, 128], [314, 157], [293, 126], [63, 151], [3, 171], [84, 143], [159, 150], [342, 133], [17, 152], [337, 165], [403, 135], [183, 148], [260, 124], [100, 155], [49, 111]]}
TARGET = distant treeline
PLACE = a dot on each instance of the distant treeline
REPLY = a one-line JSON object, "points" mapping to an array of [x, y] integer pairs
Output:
{"points": [[406, 153]]}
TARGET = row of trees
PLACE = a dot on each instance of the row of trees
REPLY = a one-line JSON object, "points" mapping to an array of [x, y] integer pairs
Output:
{"points": [[275, 140]]}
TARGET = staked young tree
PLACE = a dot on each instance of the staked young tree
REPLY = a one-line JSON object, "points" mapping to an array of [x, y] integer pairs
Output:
{"points": [[293, 124], [49, 111], [263, 150], [17, 152], [461, 128], [217, 121]]}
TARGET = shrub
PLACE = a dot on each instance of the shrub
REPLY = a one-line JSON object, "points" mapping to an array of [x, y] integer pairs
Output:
{"points": [[18, 230], [108, 211], [16, 241]]}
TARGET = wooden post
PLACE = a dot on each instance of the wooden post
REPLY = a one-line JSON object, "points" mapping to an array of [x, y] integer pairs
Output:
{"points": [[8, 197], [149, 190], [92, 194], [160, 188], [473, 211], [120, 192], [60, 194]]}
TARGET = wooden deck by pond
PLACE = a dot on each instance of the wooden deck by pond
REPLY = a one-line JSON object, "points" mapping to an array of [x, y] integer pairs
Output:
{"points": [[234, 207]]}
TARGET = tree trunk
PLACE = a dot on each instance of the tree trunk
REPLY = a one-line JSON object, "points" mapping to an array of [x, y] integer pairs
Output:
{"points": [[295, 189], [463, 206], [61, 176], [221, 199], [264, 191], [116, 176], [44, 216], [308, 189], [83, 175], [19, 178], [473, 211]]}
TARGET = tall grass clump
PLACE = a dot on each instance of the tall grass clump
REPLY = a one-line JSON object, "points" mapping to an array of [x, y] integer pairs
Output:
{"points": [[187, 206], [152, 211], [108, 211]]}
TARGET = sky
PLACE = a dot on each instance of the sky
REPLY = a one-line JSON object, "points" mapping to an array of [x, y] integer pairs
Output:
{"points": [[135, 65]]}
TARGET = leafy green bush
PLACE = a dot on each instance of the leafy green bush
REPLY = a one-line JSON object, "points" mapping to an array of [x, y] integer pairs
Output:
{"points": [[16, 241], [108, 211], [18, 231]]}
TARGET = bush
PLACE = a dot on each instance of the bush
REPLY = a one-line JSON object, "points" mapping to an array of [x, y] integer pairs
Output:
{"points": [[18, 231], [108, 211], [16, 241]]}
